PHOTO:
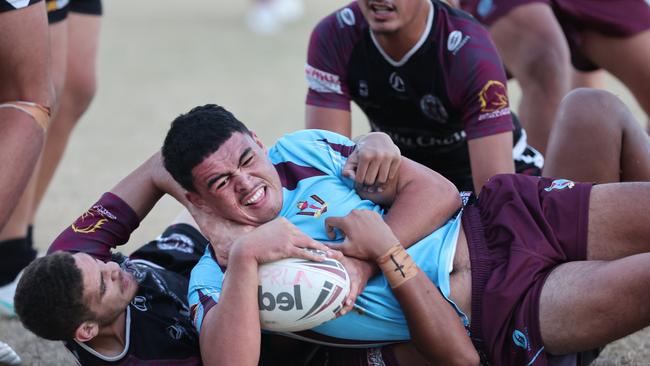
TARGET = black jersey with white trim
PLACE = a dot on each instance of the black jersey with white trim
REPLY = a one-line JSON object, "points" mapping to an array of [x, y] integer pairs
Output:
{"points": [[449, 88]]}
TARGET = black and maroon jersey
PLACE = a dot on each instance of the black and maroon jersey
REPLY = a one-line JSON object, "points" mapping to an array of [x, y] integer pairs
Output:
{"points": [[158, 327], [449, 88]]}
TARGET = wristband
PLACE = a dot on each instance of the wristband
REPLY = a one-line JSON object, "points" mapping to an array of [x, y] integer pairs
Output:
{"points": [[397, 265]]}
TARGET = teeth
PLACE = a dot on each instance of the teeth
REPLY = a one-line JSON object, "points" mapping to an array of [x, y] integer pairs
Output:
{"points": [[256, 197]]}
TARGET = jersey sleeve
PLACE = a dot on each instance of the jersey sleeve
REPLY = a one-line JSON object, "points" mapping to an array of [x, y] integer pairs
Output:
{"points": [[319, 150], [204, 291], [105, 225], [325, 69], [480, 83]]}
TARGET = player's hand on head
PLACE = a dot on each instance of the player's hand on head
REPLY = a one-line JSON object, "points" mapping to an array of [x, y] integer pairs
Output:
{"points": [[374, 162], [366, 234], [278, 239], [221, 232], [360, 272]]}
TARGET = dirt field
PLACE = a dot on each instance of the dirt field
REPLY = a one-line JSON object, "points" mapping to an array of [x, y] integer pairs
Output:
{"points": [[159, 59]]}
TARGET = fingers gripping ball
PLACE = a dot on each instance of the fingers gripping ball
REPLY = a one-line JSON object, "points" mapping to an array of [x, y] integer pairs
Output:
{"points": [[297, 294]]}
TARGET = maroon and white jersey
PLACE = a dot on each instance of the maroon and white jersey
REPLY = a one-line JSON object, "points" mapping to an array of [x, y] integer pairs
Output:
{"points": [[449, 88]]}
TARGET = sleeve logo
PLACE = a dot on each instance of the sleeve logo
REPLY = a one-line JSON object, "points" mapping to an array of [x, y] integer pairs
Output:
{"points": [[321, 81], [92, 220], [494, 100]]}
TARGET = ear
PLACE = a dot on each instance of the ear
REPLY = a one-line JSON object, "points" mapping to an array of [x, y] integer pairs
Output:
{"points": [[196, 200], [86, 331]]}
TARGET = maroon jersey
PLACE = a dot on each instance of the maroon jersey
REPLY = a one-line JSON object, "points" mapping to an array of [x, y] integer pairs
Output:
{"points": [[448, 89], [158, 327]]}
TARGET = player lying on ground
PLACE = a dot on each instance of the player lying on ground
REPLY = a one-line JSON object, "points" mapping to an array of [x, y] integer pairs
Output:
{"points": [[109, 308], [569, 237]]}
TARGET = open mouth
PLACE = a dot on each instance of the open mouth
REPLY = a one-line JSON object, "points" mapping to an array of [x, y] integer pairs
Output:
{"points": [[381, 8], [255, 196]]}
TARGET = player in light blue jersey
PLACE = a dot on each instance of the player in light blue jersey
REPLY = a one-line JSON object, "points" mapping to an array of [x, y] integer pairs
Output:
{"points": [[310, 165], [533, 254]]}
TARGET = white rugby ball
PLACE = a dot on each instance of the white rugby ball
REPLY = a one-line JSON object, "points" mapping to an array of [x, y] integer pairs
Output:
{"points": [[297, 294]]}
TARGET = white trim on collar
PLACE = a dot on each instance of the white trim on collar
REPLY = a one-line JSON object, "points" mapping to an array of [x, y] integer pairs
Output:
{"points": [[417, 46], [126, 345]]}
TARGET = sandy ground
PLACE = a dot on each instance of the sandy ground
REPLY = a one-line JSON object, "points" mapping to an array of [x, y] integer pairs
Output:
{"points": [[159, 59]]}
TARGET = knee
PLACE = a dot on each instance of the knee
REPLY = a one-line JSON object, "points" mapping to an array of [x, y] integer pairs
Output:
{"points": [[80, 89], [548, 68], [593, 109]]}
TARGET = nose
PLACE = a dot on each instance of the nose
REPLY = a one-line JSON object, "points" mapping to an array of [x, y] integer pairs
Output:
{"points": [[244, 182], [113, 269]]}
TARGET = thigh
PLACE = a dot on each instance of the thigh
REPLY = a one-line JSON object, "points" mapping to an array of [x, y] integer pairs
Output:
{"points": [[529, 34], [83, 37], [24, 49], [584, 305], [625, 57], [619, 218]]}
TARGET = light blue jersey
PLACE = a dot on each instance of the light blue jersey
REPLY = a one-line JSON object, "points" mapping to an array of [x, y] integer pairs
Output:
{"points": [[310, 164]]}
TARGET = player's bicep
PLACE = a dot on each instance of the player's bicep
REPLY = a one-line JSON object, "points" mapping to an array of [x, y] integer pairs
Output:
{"points": [[331, 119]]}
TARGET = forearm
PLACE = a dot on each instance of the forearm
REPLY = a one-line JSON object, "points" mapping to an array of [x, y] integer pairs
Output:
{"points": [[230, 334], [435, 327], [146, 185], [422, 204], [489, 156]]}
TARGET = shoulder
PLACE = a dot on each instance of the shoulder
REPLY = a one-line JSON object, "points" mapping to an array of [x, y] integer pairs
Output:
{"points": [[315, 139]]}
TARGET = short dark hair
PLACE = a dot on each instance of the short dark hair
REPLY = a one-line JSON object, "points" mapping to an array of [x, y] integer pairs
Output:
{"points": [[49, 297], [195, 135]]}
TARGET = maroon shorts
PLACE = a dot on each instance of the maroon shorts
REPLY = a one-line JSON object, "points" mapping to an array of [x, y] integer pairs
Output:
{"points": [[616, 18], [518, 231]]}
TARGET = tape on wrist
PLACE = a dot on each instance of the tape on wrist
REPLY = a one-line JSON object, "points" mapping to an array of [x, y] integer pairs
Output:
{"points": [[397, 265]]}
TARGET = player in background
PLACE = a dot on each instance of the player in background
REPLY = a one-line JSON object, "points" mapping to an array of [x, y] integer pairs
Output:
{"points": [[74, 32], [426, 74], [110, 309], [539, 40]]}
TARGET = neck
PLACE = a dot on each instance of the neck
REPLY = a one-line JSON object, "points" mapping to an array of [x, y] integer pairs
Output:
{"points": [[397, 44], [111, 338]]}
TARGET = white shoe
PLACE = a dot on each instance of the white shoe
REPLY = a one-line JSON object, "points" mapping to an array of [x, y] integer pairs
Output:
{"points": [[269, 16], [288, 10], [261, 19], [8, 356], [7, 297]]}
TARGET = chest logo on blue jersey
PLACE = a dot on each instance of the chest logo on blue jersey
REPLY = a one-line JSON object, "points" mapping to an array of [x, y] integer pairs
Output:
{"points": [[396, 82], [312, 209], [560, 184], [431, 106]]}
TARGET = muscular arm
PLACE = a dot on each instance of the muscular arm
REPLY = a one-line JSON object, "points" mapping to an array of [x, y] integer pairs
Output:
{"points": [[420, 201], [230, 332], [490, 155], [110, 221], [435, 328], [331, 119]]}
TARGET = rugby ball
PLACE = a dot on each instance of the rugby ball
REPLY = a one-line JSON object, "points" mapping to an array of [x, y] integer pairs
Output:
{"points": [[297, 294]]}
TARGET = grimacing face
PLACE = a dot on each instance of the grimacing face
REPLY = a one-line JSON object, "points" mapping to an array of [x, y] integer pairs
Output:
{"points": [[238, 182], [387, 17], [107, 289]]}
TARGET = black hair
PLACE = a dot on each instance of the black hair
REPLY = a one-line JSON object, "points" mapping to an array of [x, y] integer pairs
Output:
{"points": [[195, 135], [49, 297]]}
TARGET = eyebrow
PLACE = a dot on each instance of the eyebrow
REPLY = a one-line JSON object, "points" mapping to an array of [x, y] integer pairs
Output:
{"points": [[102, 285], [242, 157]]}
